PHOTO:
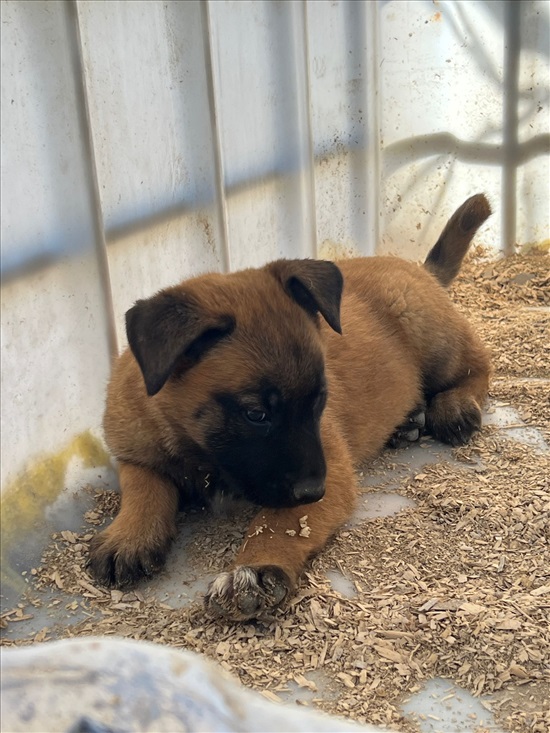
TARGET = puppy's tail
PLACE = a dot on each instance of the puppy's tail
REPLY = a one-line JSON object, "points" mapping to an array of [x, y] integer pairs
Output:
{"points": [[445, 257]]}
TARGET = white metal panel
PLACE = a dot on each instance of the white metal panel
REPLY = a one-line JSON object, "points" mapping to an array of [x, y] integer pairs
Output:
{"points": [[147, 94], [441, 117], [148, 101], [55, 362], [533, 175], [343, 53], [445, 94], [45, 190], [205, 118], [260, 72], [55, 319]]}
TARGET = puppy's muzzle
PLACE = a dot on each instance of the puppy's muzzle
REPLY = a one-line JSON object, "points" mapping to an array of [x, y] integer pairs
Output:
{"points": [[308, 490]]}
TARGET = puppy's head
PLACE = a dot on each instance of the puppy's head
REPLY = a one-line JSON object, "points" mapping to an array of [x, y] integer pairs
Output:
{"points": [[236, 364]]}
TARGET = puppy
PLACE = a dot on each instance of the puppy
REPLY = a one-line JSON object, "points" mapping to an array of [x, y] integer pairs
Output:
{"points": [[273, 383]]}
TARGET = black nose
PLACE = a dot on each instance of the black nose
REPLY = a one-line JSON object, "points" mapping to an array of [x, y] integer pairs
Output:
{"points": [[308, 490]]}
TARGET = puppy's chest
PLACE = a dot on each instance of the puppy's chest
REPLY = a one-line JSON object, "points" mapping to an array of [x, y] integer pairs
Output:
{"points": [[202, 484]]}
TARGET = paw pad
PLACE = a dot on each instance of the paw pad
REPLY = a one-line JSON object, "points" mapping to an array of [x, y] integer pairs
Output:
{"points": [[247, 592]]}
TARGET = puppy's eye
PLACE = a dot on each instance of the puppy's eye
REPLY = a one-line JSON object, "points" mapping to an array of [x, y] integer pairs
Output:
{"points": [[256, 416]]}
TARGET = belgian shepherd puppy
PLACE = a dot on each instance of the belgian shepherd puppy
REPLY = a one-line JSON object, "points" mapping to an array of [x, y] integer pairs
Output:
{"points": [[275, 382]]}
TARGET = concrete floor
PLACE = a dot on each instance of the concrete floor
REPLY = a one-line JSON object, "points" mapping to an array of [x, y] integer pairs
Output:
{"points": [[440, 707]]}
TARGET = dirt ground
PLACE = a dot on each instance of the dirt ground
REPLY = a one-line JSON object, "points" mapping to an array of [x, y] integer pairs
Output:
{"points": [[453, 585]]}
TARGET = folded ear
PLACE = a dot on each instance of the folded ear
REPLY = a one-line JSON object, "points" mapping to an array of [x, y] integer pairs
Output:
{"points": [[171, 331], [316, 285]]}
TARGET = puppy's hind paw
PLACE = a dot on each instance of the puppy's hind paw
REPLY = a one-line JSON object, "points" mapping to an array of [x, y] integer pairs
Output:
{"points": [[452, 418], [411, 430], [247, 592]]}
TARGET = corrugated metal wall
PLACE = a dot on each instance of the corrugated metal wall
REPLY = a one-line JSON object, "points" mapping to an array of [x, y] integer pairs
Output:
{"points": [[144, 142]]}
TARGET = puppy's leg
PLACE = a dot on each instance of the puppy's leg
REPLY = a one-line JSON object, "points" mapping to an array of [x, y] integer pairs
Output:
{"points": [[454, 414], [280, 541], [138, 540]]}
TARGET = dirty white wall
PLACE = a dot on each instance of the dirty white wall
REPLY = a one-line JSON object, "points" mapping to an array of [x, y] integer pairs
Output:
{"points": [[144, 142]]}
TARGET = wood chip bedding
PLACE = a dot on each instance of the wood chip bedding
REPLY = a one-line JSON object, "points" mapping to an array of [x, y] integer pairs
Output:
{"points": [[457, 586]]}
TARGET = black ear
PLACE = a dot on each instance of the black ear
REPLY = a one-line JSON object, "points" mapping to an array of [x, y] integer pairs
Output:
{"points": [[316, 285], [169, 331]]}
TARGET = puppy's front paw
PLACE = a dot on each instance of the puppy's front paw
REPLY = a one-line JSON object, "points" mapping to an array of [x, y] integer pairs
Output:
{"points": [[118, 561], [246, 592]]}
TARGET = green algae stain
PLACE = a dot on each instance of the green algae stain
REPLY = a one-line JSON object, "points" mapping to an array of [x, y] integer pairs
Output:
{"points": [[542, 247], [26, 499]]}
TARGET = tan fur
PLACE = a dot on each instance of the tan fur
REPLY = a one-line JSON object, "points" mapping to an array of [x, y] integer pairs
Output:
{"points": [[398, 325]]}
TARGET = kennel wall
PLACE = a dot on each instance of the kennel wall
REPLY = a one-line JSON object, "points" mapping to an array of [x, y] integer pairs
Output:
{"points": [[145, 142]]}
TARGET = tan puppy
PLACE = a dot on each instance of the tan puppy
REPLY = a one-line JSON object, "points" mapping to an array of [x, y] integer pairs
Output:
{"points": [[276, 386]]}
